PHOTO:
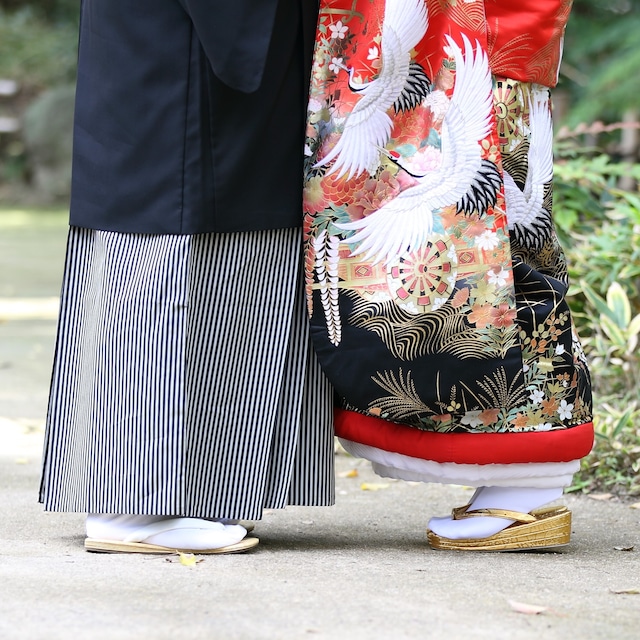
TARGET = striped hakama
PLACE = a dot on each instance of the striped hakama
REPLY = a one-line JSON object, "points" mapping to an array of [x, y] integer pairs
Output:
{"points": [[184, 382]]}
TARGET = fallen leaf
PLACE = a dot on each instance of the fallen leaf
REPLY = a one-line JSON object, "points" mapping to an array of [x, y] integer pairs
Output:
{"points": [[188, 559], [352, 473], [22, 461], [623, 548], [631, 592], [373, 486], [529, 609], [600, 496], [635, 505]]}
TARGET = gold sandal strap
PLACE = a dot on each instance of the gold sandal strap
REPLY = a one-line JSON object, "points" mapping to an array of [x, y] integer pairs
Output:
{"points": [[460, 513]]}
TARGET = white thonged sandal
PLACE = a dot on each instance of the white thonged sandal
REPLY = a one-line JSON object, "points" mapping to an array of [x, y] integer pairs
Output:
{"points": [[138, 540]]}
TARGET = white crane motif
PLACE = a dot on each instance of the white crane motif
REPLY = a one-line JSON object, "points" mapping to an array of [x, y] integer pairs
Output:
{"points": [[527, 216], [405, 223], [368, 126]]}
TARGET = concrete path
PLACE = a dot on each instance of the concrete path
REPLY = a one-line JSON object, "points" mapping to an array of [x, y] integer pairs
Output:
{"points": [[360, 569]]}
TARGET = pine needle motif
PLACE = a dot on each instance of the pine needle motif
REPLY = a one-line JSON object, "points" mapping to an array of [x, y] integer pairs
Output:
{"points": [[404, 401], [499, 392]]}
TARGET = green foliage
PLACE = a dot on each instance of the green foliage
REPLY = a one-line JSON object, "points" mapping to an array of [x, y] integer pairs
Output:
{"points": [[614, 463], [599, 223], [52, 10], [601, 59], [34, 52]]}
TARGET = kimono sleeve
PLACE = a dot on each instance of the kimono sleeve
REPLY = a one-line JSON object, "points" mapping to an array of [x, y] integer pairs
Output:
{"points": [[235, 36]]}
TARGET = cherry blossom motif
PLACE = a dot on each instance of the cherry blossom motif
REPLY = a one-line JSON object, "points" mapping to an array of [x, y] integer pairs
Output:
{"points": [[526, 215], [498, 278], [504, 316], [374, 53], [472, 419], [335, 65], [406, 222], [368, 126], [338, 30], [565, 410], [481, 315], [489, 416], [536, 396]]}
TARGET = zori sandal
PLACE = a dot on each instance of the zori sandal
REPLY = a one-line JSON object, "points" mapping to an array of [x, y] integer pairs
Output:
{"points": [[542, 528], [136, 542], [117, 546]]}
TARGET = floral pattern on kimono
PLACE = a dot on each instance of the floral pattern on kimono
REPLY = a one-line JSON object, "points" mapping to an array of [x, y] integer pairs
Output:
{"points": [[435, 282]]}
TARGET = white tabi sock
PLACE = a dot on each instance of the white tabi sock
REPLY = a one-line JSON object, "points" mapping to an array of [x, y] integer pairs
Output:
{"points": [[166, 531], [519, 499]]}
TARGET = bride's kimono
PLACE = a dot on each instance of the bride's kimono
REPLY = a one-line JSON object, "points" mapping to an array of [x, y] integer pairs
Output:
{"points": [[435, 281]]}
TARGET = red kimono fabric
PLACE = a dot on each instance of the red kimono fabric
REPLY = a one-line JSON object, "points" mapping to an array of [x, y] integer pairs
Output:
{"points": [[436, 285]]}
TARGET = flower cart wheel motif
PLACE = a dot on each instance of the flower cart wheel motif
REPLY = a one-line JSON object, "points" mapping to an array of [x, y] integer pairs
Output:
{"points": [[422, 280]]}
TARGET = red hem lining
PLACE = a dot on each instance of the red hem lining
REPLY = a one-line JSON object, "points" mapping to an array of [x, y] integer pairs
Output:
{"points": [[561, 445]]}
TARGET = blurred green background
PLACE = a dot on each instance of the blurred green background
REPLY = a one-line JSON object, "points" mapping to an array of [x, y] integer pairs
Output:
{"points": [[597, 202]]}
